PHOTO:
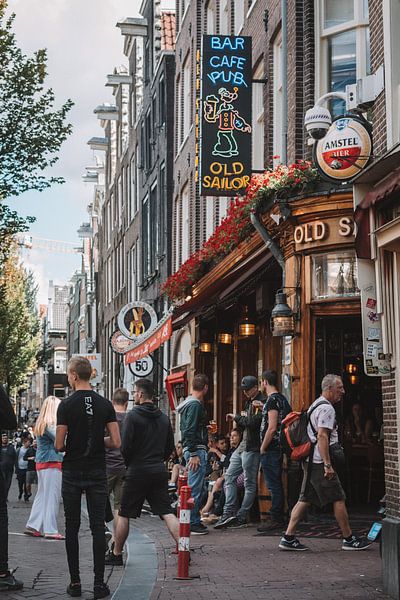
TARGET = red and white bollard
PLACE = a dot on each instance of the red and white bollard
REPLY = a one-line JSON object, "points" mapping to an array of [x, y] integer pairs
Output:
{"points": [[186, 505], [182, 481]]}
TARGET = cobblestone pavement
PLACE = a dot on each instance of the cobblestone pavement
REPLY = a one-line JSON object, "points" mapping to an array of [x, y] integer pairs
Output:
{"points": [[42, 564], [236, 565]]}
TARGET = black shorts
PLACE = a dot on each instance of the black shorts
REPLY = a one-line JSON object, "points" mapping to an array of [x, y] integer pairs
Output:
{"points": [[153, 488], [319, 490]]}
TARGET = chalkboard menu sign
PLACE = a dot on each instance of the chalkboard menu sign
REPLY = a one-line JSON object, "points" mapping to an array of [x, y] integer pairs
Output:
{"points": [[225, 115]]}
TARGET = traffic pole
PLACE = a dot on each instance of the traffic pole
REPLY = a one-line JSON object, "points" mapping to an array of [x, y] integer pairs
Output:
{"points": [[186, 505]]}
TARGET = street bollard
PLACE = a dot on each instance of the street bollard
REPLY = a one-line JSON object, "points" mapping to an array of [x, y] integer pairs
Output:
{"points": [[186, 505], [182, 481]]}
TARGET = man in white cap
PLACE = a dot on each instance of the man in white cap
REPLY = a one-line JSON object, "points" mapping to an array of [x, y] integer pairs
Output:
{"points": [[246, 457]]}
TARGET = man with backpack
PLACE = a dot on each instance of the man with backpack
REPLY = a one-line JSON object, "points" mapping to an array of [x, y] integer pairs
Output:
{"points": [[274, 411], [321, 485]]}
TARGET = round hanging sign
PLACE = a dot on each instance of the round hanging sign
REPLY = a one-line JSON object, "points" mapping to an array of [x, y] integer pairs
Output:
{"points": [[142, 367], [345, 150], [137, 319], [119, 342]]}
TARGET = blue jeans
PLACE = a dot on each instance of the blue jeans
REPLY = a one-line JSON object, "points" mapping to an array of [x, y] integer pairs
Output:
{"points": [[271, 463], [94, 484], [248, 462], [196, 482]]}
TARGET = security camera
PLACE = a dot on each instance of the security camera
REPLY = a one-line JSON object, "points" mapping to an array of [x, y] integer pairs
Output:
{"points": [[317, 121]]}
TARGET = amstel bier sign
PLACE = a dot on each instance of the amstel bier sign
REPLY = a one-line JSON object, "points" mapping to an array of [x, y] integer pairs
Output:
{"points": [[345, 150]]}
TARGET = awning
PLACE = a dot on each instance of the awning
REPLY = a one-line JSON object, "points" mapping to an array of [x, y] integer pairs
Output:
{"points": [[171, 381], [159, 336], [375, 197]]}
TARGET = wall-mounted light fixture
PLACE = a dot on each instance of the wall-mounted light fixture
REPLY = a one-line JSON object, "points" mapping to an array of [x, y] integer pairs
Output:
{"points": [[206, 347], [351, 368], [246, 327], [225, 338], [282, 317]]}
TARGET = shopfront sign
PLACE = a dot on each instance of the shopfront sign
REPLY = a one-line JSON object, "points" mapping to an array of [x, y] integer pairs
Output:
{"points": [[345, 150], [376, 363], [136, 320], [225, 115], [119, 342], [95, 361], [324, 232], [159, 336]]}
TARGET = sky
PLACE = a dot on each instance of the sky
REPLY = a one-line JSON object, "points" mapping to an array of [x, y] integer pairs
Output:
{"points": [[83, 47]]}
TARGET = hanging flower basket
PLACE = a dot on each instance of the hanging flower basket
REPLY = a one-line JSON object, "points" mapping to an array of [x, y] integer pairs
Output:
{"points": [[281, 182]]}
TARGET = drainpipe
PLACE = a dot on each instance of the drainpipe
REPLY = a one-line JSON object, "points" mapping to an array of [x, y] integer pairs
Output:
{"points": [[269, 242], [284, 81]]}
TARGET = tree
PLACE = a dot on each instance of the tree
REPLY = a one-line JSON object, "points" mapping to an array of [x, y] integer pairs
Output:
{"points": [[19, 322], [31, 130]]}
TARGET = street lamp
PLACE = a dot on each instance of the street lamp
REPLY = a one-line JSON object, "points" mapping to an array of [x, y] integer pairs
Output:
{"points": [[282, 317]]}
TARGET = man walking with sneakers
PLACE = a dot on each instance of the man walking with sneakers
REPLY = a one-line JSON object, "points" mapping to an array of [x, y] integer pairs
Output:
{"points": [[321, 485]]}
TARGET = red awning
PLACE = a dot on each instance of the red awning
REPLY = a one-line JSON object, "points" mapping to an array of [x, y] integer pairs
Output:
{"points": [[154, 341], [361, 216], [170, 381]]}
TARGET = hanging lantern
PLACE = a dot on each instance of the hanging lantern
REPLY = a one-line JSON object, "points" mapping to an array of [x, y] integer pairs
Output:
{"points": [[282, 317], [351, 368], [206, 347], [225, 338], [246, 328]]}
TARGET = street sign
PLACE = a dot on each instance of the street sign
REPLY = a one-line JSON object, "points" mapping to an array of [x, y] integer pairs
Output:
{"points": [[119, 342], [225, 115], [136, 320], [142, 367]]}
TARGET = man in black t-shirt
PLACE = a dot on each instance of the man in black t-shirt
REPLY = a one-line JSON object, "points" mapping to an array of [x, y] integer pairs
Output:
{"points": [[81, 420], [275, 409]]}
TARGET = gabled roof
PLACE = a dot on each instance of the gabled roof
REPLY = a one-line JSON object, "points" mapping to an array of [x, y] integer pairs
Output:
{"points": [[168, 30]]}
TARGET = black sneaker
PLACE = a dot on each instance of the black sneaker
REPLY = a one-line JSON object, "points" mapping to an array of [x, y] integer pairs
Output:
{"points": [[74, 590], [9, 583], [198, 529], [356, 544], [101, 591], [114, 559], [237, 523], [224, 521], [292, 545]]}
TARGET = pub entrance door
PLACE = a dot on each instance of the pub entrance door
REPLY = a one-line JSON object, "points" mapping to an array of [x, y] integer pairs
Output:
{"points": [[338, 349]]}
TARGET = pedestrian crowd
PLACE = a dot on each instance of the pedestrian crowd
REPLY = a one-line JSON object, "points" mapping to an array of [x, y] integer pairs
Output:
{"points": [[126, 462]]}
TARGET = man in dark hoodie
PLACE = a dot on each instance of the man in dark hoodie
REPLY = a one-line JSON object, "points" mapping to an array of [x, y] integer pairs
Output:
{"points": [[194, 435], [7, 579], [147, 442]]}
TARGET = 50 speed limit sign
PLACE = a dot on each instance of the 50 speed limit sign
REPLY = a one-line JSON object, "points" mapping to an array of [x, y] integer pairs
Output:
{"points": [[142, 367]]}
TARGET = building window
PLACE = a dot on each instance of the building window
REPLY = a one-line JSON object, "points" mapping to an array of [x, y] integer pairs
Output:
{"points": [[258, 120], [185, 223], [148, 141], [154, 229], [344, 49], [146, 233], [109, 290], [162, 212], [133, 195], [133, 274], [224, 28], [186, 92], [277, 101], [120, 199], [161, 102], [238, 15], [210, 16], [178, 114], [334, 276], [60, 361]]}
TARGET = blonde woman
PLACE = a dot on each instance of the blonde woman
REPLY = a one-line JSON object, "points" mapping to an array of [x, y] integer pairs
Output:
{"points": [[43, 517]]}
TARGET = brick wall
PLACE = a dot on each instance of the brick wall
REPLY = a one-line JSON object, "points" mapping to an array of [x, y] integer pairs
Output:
{"points": [[377, 59], [391, 445]]}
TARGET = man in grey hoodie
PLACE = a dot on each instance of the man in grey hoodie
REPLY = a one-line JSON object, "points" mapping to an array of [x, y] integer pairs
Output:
{"points": [[194, 435]]}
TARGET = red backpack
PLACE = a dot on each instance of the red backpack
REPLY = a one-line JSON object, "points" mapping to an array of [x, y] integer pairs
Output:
{"points": [[294, 438]]}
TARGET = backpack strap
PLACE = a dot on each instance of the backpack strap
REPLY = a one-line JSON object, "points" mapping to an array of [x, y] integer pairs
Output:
{"points": [[310, 412]]}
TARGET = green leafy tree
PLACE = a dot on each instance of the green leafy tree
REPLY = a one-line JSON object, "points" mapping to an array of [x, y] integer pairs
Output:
{"points": [[19, 322]]}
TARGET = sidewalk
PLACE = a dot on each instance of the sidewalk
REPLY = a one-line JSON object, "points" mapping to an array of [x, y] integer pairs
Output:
{"points": [[236, 565], [42, 564]]}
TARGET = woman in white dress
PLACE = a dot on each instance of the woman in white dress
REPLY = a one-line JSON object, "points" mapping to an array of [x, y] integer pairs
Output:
{"points": [[43, 517]]}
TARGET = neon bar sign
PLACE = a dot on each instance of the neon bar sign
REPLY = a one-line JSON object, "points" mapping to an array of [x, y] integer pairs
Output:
{"points": [[225, 115]]}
